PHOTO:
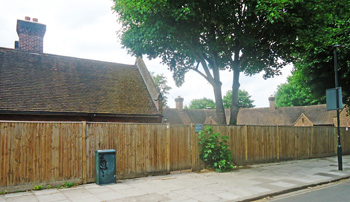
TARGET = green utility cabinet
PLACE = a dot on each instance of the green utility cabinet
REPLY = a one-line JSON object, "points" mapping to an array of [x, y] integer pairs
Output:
{"points": [[105, 166]]}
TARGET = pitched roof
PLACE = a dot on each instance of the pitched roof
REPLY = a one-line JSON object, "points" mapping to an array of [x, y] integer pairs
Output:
{"points": [[151, 86], [318, 114], [188, 116], [303, 121], [50, 83]]}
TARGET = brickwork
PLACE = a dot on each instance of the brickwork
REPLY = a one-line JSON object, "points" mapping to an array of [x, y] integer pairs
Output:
{"points": [[31, 36]]}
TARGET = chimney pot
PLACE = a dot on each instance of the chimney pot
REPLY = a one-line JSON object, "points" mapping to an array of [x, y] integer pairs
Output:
{"points": [[35, 20], [27, 18], [179, 103]]}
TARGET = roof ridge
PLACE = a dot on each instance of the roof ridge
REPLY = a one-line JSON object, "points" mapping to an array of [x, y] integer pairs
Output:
{"points": [[63, 56]]}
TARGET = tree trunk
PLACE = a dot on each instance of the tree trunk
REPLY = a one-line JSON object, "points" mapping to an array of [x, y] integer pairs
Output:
{"points": [[220, 110], [234, 101], [215, 82]]}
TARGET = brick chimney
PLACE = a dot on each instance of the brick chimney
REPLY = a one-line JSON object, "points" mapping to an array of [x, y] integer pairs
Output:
{"points": [[31, 35], [272, 103], [179, 103]]}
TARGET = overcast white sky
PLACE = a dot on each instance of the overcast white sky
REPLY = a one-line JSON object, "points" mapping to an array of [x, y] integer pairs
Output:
{"points": [[87, 29]]}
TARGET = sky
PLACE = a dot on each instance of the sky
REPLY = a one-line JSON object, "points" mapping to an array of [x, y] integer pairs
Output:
{"points": [[89, 29]]}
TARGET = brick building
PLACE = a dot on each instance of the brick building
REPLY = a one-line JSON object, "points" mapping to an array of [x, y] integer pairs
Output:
{"points": [[35, 86]]}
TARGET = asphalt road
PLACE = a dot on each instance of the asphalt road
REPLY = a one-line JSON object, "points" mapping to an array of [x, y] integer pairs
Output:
{"points": [[334, 192]]}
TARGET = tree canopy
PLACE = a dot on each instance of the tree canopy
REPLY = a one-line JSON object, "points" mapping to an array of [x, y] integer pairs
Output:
{"points": [[296, 93], [204, 36], [203, 103], [314, 69], [244, 99], [162, 86]]}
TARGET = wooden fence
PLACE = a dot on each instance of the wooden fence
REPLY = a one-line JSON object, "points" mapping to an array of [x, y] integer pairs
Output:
{"points": [[47, 152]]}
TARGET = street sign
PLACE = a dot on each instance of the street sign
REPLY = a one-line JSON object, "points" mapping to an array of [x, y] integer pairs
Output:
{"points": [[331, 99], [198, 127]]}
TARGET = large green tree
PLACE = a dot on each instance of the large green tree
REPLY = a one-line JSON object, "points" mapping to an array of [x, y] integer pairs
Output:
{"points": [[315, 65], [244, 99], [162, 86], [207, 36], [203, 103], [296, 93]]}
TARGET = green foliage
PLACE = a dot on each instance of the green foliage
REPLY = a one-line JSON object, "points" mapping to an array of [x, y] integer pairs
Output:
{"points": [[69, 184], [203, 103], [244, 99], [243, 36], [214, 150], [3, 192], [161, 83], [59, 186], [296, 93], [48, 187], [315, 64], [38, 187]]}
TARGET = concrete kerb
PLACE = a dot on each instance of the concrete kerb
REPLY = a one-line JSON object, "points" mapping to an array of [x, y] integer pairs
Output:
{"points": [[293, 189]]}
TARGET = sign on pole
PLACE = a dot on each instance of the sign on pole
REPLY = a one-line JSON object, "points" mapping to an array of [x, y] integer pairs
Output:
{"points": [[331, 99]]}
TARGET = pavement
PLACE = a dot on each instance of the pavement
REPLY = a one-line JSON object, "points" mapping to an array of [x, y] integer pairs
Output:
{"points": [[256, 182]]}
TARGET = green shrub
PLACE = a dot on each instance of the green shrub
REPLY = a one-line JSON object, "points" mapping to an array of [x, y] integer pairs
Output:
{"points": [[214, 150], [39, 187], [3, 192], [69, 184]]}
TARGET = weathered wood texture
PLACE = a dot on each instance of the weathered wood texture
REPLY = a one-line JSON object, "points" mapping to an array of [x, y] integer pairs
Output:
{"points": [[180, 147], [47, 152], [39, 152], [140, 149]]}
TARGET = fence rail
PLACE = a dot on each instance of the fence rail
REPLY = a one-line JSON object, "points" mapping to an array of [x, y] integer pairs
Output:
{"points": [[46, 152]]}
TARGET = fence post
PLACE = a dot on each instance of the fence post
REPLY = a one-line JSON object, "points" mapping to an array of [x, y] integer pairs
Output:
{"points": [[246, 141], [193, 148], [277, 143], [335, 135], [311, 141], [83, 141], [168, 147]]}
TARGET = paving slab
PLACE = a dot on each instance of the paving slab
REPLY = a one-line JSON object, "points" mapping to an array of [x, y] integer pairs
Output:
{"points": [[239, 185]]}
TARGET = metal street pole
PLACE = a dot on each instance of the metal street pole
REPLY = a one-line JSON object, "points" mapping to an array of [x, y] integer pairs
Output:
{"points": [[339, 150]]}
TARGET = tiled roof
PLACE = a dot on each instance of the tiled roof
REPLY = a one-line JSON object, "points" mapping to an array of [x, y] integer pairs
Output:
{"points": [[50, 83], [188, 116], [318, 114], [281, 116]]}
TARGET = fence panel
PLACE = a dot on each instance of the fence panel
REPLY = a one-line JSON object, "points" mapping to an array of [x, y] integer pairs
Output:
{"points": [[324, 141], [39, 152], [180, 147], [345, 140], [261, 144], [140, 148], [295, 142]]}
